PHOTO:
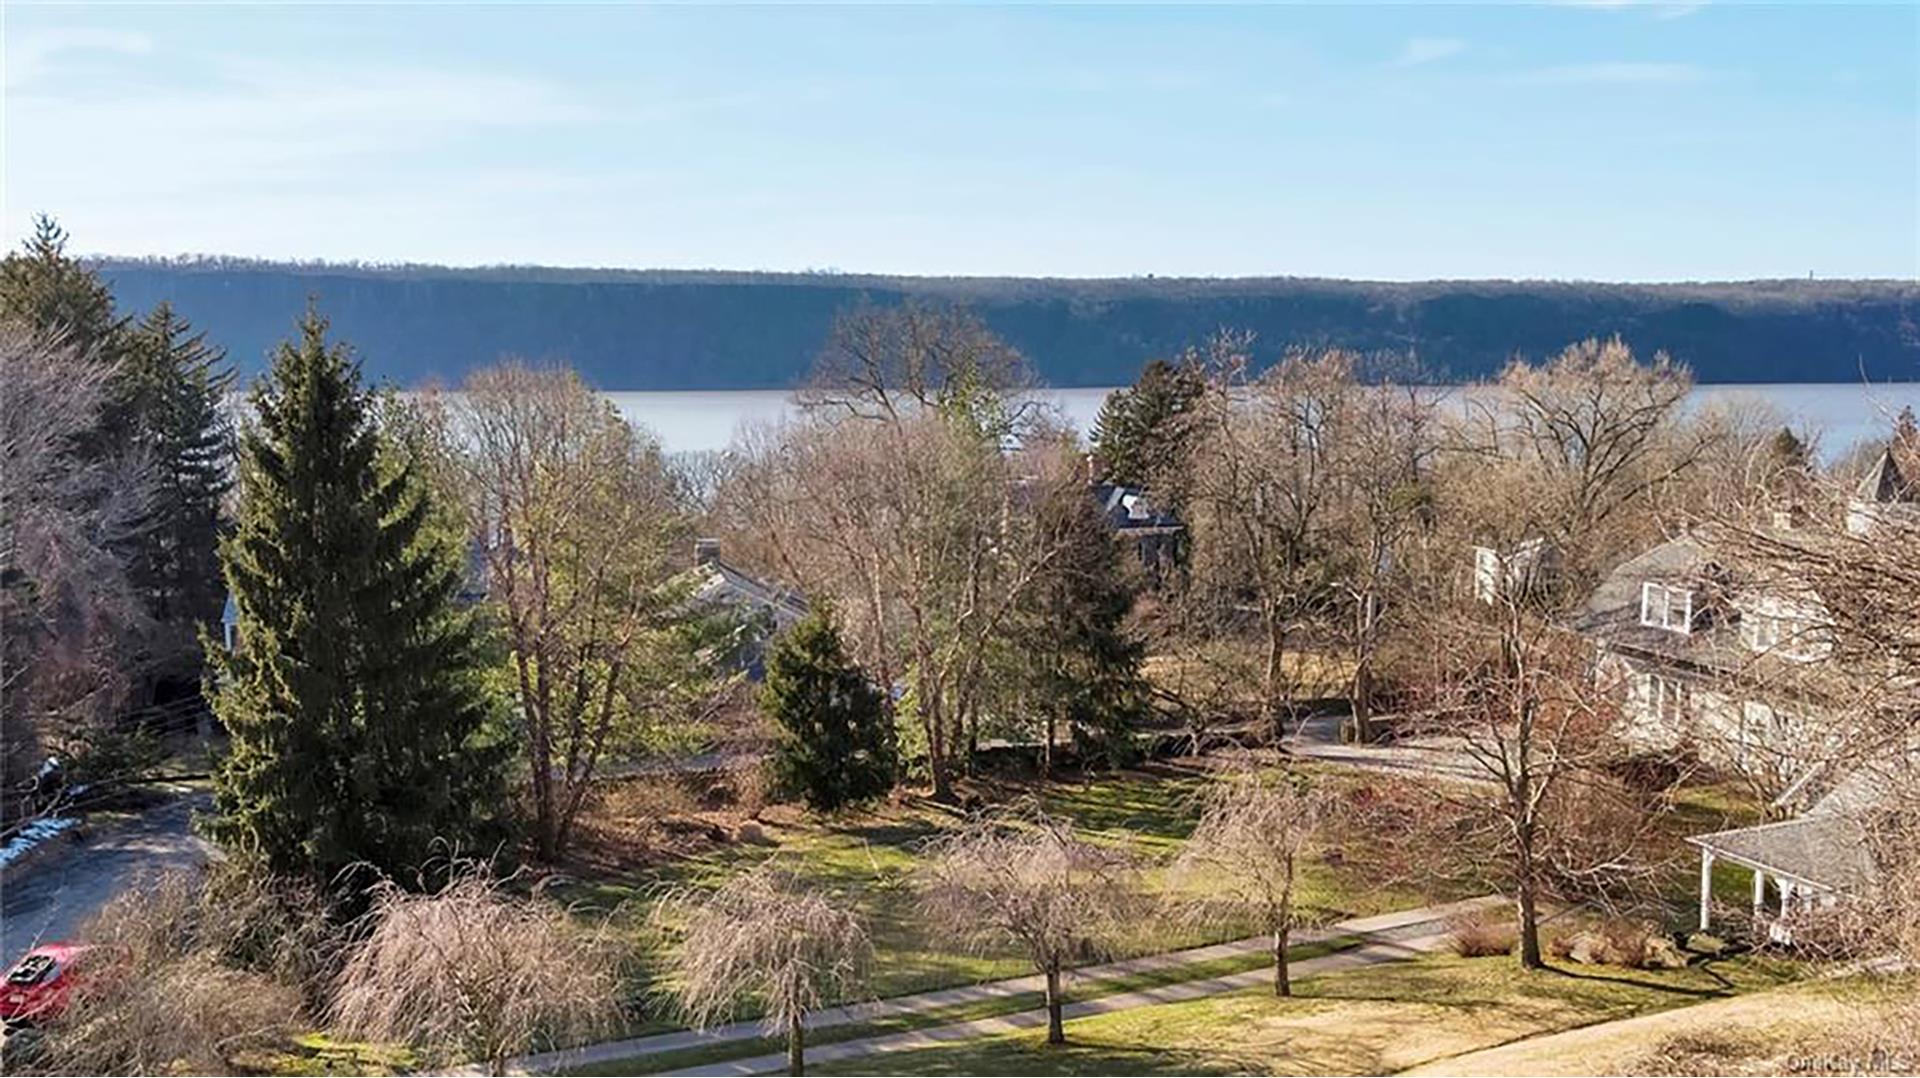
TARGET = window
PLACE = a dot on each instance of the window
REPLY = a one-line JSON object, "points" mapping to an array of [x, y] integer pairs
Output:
{"points": [[1665, 607], [1782, 628], [1669, 698]]}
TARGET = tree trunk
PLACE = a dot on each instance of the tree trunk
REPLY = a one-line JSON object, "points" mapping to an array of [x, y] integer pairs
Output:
{"points": [[1363, 700], [1046, 751], [1056, 1032], [1527, 907], [1270, 712], [796, 1045], [1282, 975]]}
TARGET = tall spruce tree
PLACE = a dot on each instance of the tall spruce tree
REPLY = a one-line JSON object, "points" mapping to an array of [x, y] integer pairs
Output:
{"points": [[361, 730], [52, 293], [833, 745], [1138, 434], [174, 383], [1077, 666]]}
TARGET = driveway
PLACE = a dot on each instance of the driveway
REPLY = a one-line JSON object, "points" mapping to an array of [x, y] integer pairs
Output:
{"points": [[53, 895], [1318, 738]]}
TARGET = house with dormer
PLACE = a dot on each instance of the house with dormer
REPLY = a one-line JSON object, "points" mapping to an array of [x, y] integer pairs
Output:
{"points": [[1712, 661], [1738, 668]]}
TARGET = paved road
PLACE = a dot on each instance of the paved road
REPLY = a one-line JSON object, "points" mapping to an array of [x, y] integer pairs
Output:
{"points": [[1389, 937], [53, 895], [1318, 738]]}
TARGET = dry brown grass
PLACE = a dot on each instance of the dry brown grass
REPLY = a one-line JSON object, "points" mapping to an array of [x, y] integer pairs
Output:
{"points": [[1482, 933], [184, 975]]}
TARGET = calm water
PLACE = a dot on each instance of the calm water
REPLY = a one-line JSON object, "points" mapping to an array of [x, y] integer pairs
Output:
{"points": [[1839, 414]]}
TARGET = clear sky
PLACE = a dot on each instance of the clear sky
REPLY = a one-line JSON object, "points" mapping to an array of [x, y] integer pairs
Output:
{"points": [[1608, 140]]}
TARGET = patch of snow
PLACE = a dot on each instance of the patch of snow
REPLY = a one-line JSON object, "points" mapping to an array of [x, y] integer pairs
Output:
{"points": [[33, 835]]}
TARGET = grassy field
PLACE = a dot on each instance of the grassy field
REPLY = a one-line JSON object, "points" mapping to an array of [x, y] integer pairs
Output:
{"points": [[868, 860], [1842, 1022], [1377, 1020], [1026, 1001]]}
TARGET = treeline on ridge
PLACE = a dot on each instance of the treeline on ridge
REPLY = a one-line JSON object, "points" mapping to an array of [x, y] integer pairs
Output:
{"points": [[713, 330]]}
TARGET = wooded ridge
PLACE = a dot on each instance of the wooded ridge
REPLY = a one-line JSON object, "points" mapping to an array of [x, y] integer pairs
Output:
{"points": [[712, 330]]}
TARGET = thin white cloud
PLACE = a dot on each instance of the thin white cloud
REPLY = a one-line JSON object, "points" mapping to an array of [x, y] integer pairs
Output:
{"points": [[30, 55], [1425, 50], [1615, 73], [1659, 9]]}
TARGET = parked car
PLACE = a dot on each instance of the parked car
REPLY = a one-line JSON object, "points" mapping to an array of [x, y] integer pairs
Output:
{"points": [[38, 985]]}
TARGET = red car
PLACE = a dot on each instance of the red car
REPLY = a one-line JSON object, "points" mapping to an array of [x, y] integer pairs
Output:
{"points": [[37, 986]]}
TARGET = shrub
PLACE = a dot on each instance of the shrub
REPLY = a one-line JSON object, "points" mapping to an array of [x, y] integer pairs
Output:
{"points": [[1617, 941], [473, 972], [1481, 934], [185, 973]]}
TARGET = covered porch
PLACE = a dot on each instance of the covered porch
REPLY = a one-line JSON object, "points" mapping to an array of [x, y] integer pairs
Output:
{"points": [[1812, 862]]}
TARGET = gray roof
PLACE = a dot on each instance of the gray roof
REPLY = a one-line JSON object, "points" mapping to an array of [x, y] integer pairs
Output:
{"points": [[1827, 850], [1884, 482], [1612, 613], [718, 584]]}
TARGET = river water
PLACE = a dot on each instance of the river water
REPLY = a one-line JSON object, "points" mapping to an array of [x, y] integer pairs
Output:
{"points": [[1839, 415]]}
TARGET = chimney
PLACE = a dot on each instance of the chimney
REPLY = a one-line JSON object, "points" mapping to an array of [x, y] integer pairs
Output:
{"points": [[706, 551]]}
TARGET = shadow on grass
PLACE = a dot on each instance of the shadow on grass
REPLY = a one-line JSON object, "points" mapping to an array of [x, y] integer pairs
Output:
{"points": [[1032, 1056]]}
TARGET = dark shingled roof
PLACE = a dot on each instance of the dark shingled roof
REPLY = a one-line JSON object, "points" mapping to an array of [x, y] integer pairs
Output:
{"points": [[1827, 850], [718, 584]]}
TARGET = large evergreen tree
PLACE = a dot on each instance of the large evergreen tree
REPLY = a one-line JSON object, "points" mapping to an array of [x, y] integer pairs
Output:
{"points": [[173, 383], [833, 745], [1077, 665], [53, 294], [1139, 431], [361, 731]]}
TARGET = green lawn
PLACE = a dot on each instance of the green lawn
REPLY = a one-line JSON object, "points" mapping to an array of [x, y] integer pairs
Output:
{"points": [[1371, 1021], [868, 860], [1026, 1001]]}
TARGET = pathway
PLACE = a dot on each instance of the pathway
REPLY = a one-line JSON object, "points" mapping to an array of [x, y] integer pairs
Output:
{"points": [[49, 898], [1389, 937], [1318, 738]]}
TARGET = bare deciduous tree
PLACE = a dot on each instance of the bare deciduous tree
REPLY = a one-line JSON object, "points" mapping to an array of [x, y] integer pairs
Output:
{"points": [[472, 972], [1032, 883], [1544, 821], [1245, 854], [70, 622], [766, 935], [895, 495], [1260, 487], [888, 362], [577, 516]]}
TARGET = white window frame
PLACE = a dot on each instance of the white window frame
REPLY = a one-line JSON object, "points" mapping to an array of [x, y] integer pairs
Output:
{"points": [[1669, 698], [1657, 607]]}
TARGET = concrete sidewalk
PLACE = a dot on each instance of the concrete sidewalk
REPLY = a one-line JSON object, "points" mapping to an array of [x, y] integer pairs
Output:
{"points": [[1390, 937]]}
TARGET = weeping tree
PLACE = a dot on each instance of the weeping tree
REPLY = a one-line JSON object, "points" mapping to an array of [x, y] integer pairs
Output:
{"points": [[1031, 883], [768, 937], [1245, 856], [474, 972]]}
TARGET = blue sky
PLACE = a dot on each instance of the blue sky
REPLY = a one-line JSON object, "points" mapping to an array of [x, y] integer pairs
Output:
{"points": [[1610, 140]]}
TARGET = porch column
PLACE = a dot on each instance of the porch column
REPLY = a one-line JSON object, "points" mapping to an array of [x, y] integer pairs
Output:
{"points": [[1759, 892], [1706, 888]]}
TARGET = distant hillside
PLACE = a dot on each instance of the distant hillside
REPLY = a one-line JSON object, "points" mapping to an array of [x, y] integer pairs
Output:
{"points": [[719, 330]]}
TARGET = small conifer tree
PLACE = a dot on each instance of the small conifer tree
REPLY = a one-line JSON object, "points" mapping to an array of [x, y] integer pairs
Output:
{"points": [[833, 745]]}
